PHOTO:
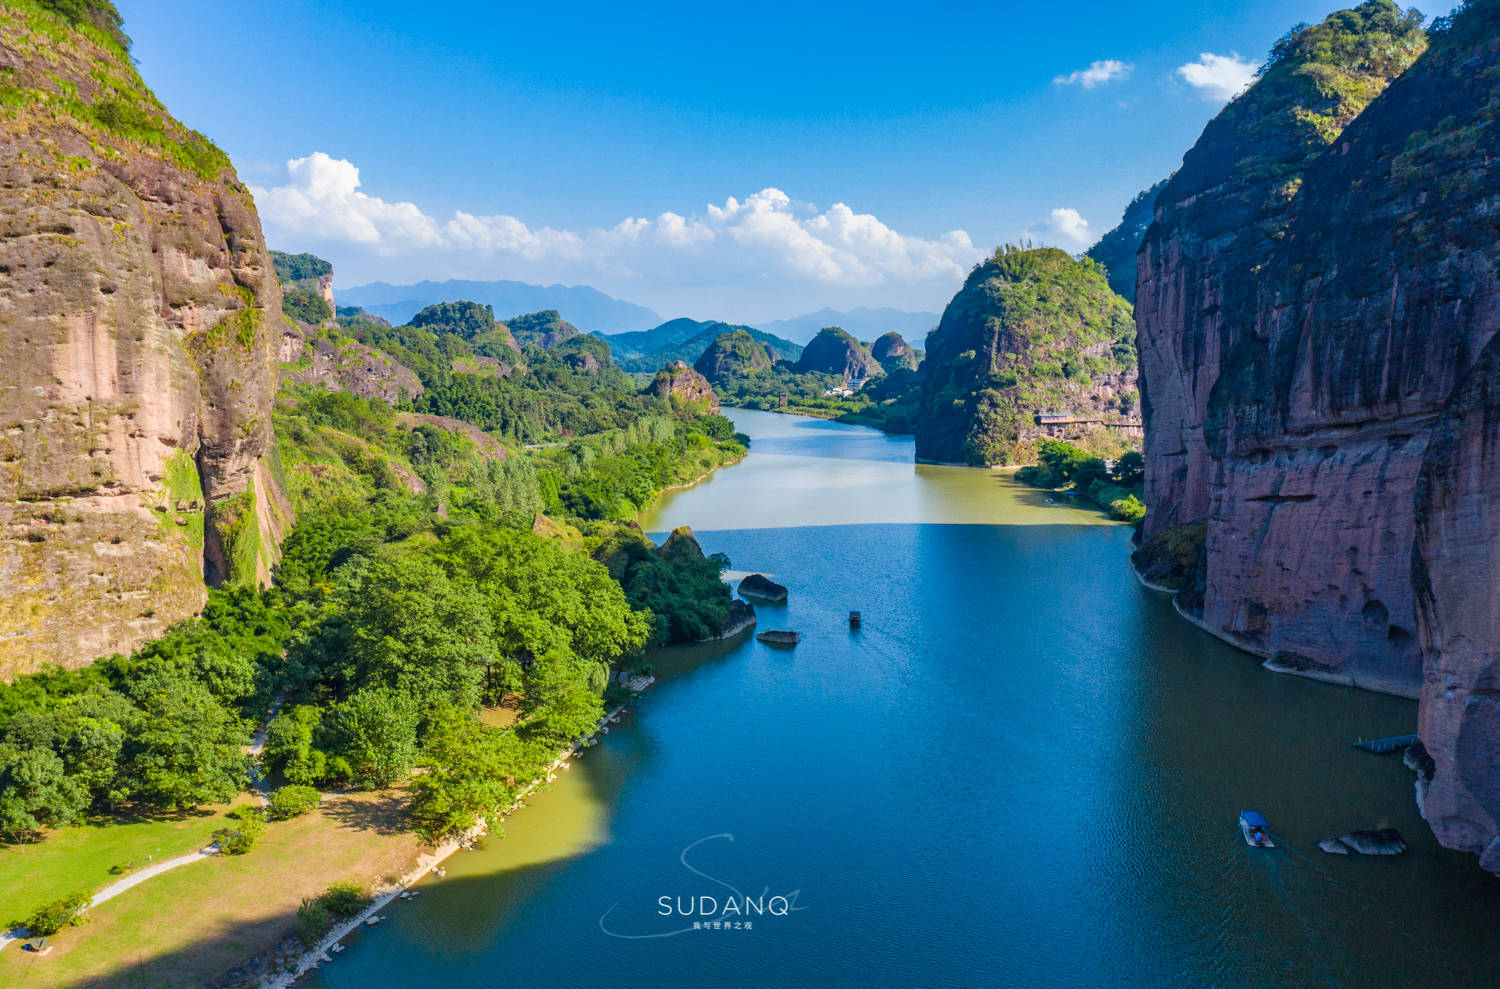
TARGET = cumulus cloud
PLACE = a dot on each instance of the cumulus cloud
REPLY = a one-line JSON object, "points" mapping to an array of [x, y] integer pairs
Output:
{"points": [[1098, 73], [1064, 225], [322, 198], [1218, 77], [764, 235]]}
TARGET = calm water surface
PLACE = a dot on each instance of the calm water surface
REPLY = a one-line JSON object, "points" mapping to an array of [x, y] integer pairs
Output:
{"points": [[1024, 770]]}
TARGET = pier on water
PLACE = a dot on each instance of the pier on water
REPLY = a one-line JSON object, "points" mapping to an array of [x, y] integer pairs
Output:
{"points": [[1384, 745]]}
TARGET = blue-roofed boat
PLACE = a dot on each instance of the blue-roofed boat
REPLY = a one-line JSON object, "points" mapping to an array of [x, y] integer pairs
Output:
{"points": [[1256, 829]]}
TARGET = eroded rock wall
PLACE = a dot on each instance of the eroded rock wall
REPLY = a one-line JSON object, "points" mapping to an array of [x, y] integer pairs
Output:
{"points": [[137, 367]]}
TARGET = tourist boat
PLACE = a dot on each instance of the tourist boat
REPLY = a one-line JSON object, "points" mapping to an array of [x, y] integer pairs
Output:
{"points": [[1256, 829]]}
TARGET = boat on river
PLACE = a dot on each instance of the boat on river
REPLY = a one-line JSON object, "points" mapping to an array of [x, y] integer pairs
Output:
{"points": [[1256, 829]]}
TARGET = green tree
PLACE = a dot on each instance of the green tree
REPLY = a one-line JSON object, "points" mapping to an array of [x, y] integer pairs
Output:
{"points": [[472, 773], [292, 801], [186, 751], [36, 792], [375, 733]]}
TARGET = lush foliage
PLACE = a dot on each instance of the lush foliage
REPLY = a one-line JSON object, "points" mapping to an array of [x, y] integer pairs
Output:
{"points": [[299, 267], [1113, 487], [305, 305], [340, 901], [240, 837], [292, 800]]}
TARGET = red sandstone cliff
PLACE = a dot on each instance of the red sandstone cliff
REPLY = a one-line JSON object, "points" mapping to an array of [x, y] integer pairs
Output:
{"points": [[1333, 347], [140, 317]]}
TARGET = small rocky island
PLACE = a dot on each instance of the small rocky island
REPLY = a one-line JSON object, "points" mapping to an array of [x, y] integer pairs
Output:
{"points": [[762, 588], [779, 637]]}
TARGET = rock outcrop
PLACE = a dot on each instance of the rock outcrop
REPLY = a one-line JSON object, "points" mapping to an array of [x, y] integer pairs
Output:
{"points": [[833, 351], [891, 351], [1031, 333], [1336, 346], [545, 329], [762, 588], [683, 386], [330, 359], [733, 355], [141, 319], [1216, 221]]}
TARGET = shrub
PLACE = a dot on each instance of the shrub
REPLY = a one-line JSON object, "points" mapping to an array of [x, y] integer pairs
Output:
{"points": [[53, 917], [345, 899], [1128, 509], [242, 836], [313, 921], [293, 801]]}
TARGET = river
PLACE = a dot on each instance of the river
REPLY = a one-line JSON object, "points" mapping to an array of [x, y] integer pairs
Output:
{"points": [[1023, 770]]}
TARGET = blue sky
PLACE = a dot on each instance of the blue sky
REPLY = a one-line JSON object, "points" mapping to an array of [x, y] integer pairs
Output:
{"points": [[602, 144]]}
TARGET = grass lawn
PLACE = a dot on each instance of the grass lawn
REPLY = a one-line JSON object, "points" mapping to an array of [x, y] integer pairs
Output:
{"points": [[78, 858], [187, 926]]}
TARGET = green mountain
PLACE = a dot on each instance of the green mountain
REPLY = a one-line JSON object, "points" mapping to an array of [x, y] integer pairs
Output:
{"points": [[733, 355], [1030, 332], [685, 340], [543, 329]]}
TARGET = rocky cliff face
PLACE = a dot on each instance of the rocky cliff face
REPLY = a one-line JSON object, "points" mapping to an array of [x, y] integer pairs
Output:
{"points": [[1334, 348], [891, 351], [1219, 217], [834, 351], [1031, 332], [684, 386], [141, 319]]}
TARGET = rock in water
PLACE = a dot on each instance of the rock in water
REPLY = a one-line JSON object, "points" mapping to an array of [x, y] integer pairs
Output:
{"points": [[779, 637], [1333, 846], [762, 588], [1375, 841]]}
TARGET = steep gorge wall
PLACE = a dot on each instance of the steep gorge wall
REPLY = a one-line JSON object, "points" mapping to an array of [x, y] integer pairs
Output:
{"points": [[140, 317], [1338, 541]]}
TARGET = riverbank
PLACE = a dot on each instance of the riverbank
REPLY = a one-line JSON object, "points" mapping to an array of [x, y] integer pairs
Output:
{"points": [[290, 968]]}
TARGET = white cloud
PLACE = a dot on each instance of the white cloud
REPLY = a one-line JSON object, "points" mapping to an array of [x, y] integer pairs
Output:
{"points": [[1065, 225], [1218, 77], [766, 235], [1105, 70]]}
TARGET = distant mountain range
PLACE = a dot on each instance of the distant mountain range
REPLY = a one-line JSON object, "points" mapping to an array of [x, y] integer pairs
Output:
{"points": [[682, 340], [603, 315], [584, 307], [864, 323]]}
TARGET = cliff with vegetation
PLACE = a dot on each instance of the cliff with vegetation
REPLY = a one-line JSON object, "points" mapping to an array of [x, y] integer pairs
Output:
{"points": [[1031, 332], [834, 351], [684, 388], [1320, 384], [891, 351], [544, 329], [138, 363], [1117, 249]]}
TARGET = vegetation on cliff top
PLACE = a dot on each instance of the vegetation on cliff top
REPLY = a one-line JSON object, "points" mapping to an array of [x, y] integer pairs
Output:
{"points": [[93, 86], [1032, 330]]}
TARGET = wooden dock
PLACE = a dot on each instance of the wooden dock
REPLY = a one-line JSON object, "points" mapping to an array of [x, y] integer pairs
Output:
{"points": [[1384, 745]]}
